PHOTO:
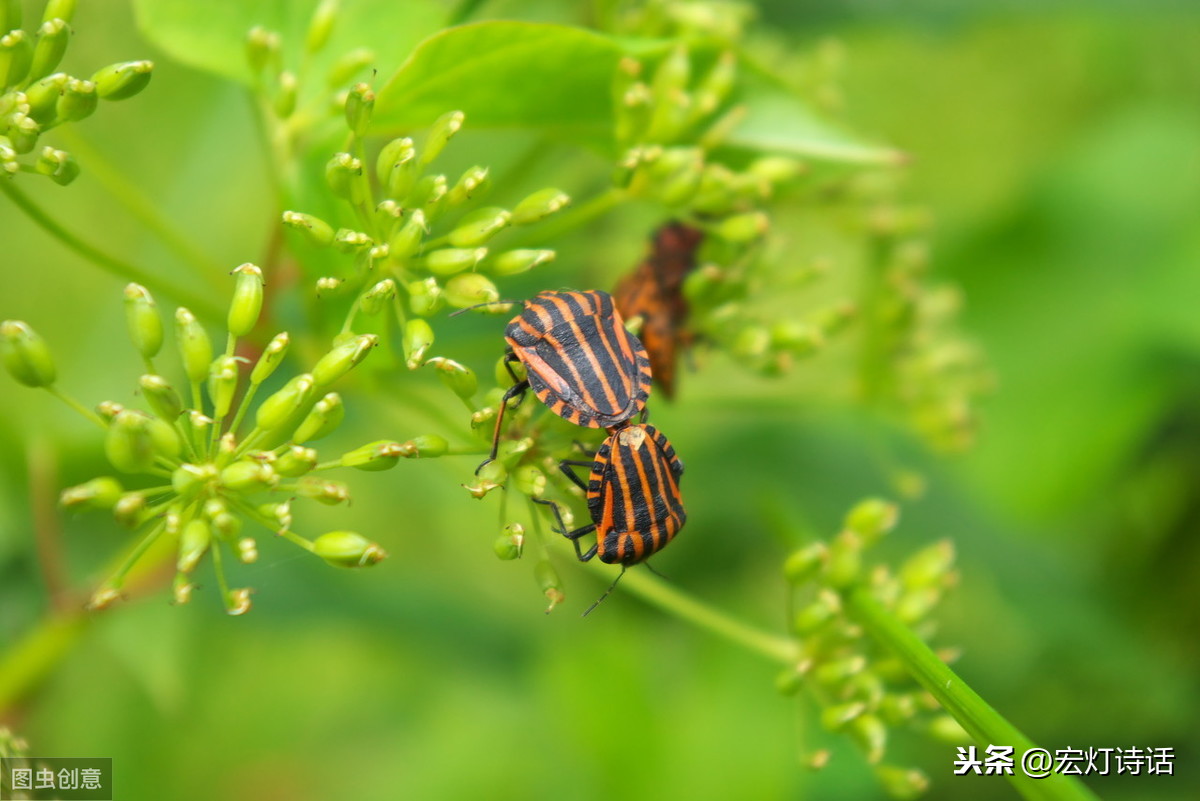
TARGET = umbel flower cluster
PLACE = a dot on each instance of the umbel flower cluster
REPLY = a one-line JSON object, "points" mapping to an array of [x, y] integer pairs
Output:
{"points": [[225, 468], [34, 98], [862, 690]]}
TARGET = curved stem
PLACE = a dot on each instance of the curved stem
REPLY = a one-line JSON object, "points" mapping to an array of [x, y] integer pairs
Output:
{"points": [[142, 208], [111, 264], [985, 725]]}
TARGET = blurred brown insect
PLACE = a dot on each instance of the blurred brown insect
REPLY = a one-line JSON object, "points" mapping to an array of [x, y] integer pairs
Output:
{"points": [[654, 292]]}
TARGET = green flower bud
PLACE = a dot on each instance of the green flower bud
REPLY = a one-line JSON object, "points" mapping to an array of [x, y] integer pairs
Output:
{"points": [[408, 237], [195, 348], [871, 735], [513, 262], [418, 337], [59, 9], [262, 48], [471, 183], [795, 337], [424, 296], [928, 567], [222, 384], [374, 456], [902, 784], [109, 410], [845, 560], [836, 671], [448, 261], [247, 550], [428, 192], [897, 708], [396, 168], [672, 75], [752, 342], [321, 25], [165, 438], [271, 358], [460, 380], [916, 604], [325, 416], [296, 461], [59, 165], [193, 544], [129, 445], [99, 493], [181, 590], [776, 169], [163, 399], [9, 166], [16, 54], [347, 241], [277, 514], [716, 85], [247, 300], [26, 355], [341, 174], [237, 602], [349, 65], [248, 475], [549, 582], [43, 96], [348, 549], [124, 80], [102, 599], [276, 410], [343, 358], [78, 100], [509, 545], [816, 614], [468, 289], [52, 38], [805, 563], [445, 127], [946, 729], [187, 478], [493, 474], [835, 718], [327, 492], [478, 227], [872, 518], [315, 230], [23, 132], [141, 316], [529, 480], [676, 175], [539, 206], [359, 105], [427, 446], [742, 228], [375, 299], [128, 511]]}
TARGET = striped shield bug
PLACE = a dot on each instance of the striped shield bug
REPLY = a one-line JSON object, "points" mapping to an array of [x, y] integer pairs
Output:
{"points": [[654, 292], [579, 360], [632, 495]]}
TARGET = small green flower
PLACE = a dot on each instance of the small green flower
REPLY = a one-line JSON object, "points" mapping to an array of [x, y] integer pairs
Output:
{"points": [[26, 355], [347, 549], [123, 80], [247, 300]]}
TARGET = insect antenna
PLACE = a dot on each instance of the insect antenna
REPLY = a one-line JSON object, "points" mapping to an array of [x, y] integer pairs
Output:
{"points": [[481, 305], [611, 587]]}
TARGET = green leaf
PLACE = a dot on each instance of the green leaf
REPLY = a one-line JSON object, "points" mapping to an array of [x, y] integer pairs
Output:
{"points": [[779, 122], [211, 35], [505, 74]]}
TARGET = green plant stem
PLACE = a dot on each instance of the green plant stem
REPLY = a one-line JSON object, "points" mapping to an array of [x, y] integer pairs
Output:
{"points": [[111, 264], [36, 654], [142, 208], [77, 406], [985, 725], [657, 592]]}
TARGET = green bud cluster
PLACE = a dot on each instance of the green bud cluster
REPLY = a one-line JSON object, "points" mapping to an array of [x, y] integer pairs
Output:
{"points": [[214, 482], [861, 691], [35, 97]]}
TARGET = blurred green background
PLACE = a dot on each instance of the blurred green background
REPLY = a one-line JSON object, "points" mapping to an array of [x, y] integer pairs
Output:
{"points": [[1057, 146]]}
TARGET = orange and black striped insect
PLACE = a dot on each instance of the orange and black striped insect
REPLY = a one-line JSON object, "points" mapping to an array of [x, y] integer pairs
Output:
{"points": [[632, 494], [654, 292], [579, 360]]}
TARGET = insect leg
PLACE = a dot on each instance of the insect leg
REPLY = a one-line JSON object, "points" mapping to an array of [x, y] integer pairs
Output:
{"points": [[573, 536], [513, 391]]}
